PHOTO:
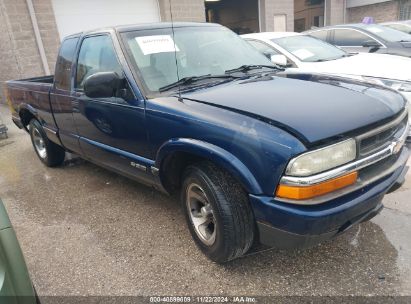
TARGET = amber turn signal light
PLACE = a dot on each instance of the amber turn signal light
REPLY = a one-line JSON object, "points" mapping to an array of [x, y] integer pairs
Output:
{"points": [[307, 192]]}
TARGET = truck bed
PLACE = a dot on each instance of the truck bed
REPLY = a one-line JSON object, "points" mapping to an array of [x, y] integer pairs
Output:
{"points": [[31, 95], [36, 84]]}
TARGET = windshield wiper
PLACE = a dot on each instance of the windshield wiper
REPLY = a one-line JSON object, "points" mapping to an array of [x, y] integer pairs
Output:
{"points": [[248, 67], [190, 80]]}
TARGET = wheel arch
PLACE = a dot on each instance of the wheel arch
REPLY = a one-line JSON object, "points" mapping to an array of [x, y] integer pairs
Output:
{"points": [[176, 154], [26, 114]]}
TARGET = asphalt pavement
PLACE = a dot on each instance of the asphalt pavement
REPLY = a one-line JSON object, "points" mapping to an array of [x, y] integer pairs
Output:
{"points": [[87, 231]]}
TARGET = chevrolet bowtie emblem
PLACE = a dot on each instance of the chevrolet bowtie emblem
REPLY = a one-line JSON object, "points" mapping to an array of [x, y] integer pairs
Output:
{"points": [[397, 145]]}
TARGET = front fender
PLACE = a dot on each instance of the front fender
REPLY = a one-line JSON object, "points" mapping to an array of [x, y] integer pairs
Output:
{"points": [[213, 153]]}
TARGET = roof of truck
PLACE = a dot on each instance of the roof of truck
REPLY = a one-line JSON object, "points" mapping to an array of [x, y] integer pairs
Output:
{"points": [[145, 26]]}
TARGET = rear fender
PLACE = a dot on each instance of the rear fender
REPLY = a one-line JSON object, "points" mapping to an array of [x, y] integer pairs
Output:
{"points": [[24, 108]]}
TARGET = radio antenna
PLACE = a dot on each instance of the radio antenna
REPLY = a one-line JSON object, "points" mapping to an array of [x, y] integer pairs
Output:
{"points": [[175, 49]]}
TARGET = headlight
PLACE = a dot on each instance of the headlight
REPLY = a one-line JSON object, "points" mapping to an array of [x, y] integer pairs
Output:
{"points": [[398, 85], [323, 159]]}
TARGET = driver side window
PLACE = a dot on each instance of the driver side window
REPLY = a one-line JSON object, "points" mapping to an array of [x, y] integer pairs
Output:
{"points": [[97, 54]]}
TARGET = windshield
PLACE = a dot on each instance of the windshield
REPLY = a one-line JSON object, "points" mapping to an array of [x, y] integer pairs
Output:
{"points": [[309, 49], [199, 50], [386, 33], [406, 28], [403, 27]]}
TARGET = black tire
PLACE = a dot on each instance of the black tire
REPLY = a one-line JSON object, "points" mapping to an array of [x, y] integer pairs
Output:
{"points": [[36, 296], [231, 211], [52, 155]]}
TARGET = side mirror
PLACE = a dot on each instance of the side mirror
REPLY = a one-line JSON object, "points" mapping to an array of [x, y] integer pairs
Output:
{"points": [[371, 44], [102, 85], [279, 59]]}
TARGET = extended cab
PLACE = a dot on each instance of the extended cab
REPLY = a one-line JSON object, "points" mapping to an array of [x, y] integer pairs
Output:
{"points": [[194, 108]]}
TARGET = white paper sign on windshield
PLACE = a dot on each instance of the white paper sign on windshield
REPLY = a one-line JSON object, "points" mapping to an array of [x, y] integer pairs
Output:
{"points": [[156, 44], [303, 54]]}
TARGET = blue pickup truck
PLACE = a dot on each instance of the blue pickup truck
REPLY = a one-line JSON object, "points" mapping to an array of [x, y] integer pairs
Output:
{"points": [[257, 155]]}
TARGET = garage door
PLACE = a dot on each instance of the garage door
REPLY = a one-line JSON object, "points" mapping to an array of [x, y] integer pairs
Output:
{"points": [[75, 16]]}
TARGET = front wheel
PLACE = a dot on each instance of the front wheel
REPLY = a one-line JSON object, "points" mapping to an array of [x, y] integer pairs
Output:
{"points": [[49, 153], [217, 212]]}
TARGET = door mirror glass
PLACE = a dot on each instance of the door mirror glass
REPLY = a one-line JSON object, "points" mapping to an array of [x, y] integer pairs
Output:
{"points": [[102, 85], [279, 59]]}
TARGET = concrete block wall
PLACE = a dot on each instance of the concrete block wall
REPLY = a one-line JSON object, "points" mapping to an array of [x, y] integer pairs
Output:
{"points": [[19, 53], [183, 10], [19, 57], [334, 12], [18, 37], [48, 30], [8, 64], [381, 12], [269, 8]]}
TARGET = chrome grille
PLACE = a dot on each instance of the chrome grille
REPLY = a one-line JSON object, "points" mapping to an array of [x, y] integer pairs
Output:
{"points": [[382, 137]]}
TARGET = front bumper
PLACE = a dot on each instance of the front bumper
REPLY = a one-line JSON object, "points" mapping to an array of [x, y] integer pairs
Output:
{"points": [[283, 225]]}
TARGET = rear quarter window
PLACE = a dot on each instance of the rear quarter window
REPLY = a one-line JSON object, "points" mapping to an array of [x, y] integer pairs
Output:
{"points": [[64, 62]]}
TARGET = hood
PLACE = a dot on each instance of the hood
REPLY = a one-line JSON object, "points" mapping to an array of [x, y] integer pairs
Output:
{"points": [[365, 64], [311, 111]]}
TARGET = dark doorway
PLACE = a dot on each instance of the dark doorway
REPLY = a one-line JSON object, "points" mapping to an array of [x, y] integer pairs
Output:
{"points": [[241, 16]]}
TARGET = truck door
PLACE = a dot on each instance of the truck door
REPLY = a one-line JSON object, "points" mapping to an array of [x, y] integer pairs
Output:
{"points": [[112, 130], [61, 98]]}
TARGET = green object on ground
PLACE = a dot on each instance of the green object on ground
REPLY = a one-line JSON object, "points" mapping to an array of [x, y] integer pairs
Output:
{"points": [[15, 283]]}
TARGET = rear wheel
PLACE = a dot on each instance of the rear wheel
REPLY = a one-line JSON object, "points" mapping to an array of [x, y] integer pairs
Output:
{"points": [[49, 153], [217, 212]]}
